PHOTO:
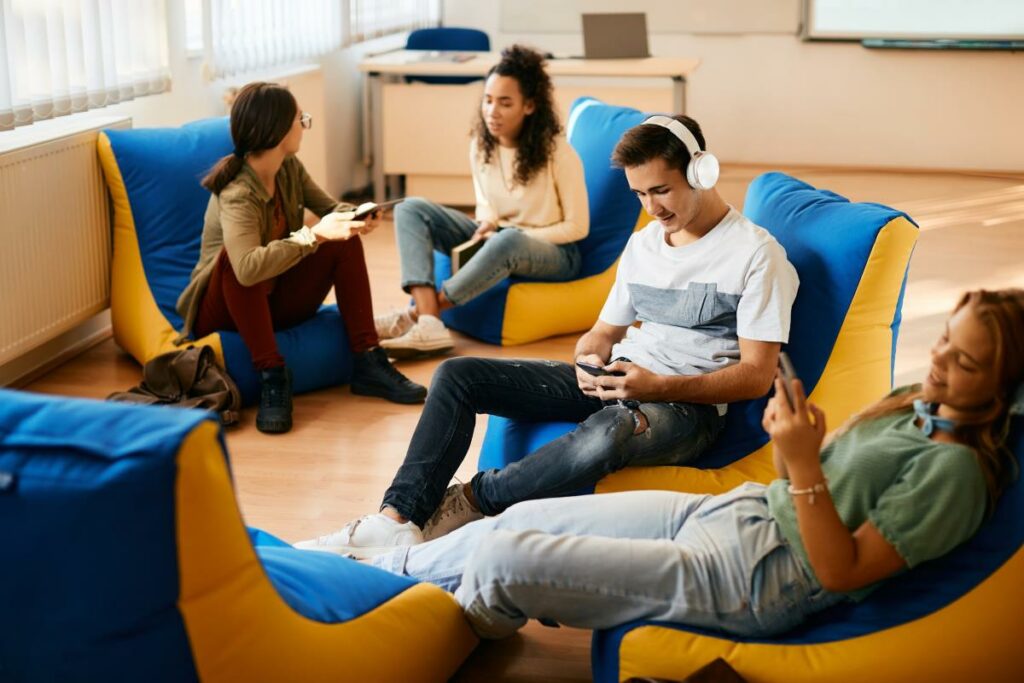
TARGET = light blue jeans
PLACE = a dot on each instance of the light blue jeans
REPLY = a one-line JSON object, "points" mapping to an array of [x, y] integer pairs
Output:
{"points": [[423, 226], [595, 562]]}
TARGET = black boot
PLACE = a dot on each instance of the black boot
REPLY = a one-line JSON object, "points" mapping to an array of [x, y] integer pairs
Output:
{"points": [[374, 375], [275, 413]]}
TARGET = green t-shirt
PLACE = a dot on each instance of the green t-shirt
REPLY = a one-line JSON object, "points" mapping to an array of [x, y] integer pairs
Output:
{"points": [[923, 496]]}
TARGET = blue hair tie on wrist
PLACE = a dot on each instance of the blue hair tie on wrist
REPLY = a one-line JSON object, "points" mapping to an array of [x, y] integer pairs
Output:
{"points": [[929, 421]]}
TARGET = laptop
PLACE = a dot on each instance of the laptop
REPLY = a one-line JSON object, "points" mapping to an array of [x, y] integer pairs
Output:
{"points": [[615, 36]]}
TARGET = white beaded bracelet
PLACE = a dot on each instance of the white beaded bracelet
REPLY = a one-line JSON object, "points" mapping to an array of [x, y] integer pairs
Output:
{"points": [[811, 491]]}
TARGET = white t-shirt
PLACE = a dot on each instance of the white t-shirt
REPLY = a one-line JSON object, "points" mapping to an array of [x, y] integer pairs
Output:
{"points": [[694, 301]]}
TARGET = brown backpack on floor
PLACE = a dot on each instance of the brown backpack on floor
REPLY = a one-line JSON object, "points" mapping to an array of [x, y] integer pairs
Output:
{"points": [[189, 378]]}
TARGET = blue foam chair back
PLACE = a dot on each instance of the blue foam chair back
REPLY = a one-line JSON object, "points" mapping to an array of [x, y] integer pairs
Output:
{"points": [[827, 238], [91, 585], [167, 200], [594, 129], [449, 40]]}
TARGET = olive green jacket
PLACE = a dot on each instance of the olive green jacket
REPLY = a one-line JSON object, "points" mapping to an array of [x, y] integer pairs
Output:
{"points": [[241, 220]]}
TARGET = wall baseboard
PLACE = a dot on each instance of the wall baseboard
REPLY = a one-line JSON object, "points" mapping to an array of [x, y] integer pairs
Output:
{"points": [[33, 364]]}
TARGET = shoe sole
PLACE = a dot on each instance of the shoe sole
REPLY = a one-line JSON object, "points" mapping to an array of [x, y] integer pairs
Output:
{"points": [[404, 400], [412, 353], [274, 427], [358, 553]]}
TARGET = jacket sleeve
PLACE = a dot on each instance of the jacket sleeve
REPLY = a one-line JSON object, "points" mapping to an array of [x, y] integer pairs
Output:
{"points": [[241, 220], [571, 193]]}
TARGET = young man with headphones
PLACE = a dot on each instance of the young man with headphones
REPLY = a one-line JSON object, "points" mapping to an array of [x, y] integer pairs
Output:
{"points": [[712, 292]]}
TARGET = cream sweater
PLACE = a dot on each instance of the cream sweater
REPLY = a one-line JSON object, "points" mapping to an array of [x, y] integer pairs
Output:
{"points": [[552, 207]]}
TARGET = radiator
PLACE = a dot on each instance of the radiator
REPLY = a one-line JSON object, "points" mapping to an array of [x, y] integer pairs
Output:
{"points": [[54, 237]]}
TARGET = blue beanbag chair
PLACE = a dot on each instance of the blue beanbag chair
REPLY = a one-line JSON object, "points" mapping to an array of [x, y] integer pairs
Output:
{"points": [[957, 618], [153, 176], [852, 259], [126, 559]]}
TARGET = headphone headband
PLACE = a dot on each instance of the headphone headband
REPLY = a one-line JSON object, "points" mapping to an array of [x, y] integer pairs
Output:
{"points": [[679, 130]]}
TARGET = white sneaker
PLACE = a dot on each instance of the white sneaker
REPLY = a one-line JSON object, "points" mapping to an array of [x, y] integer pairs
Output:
{"points": [[428, 337], [366, 537], [394, 323], [454, 511]]}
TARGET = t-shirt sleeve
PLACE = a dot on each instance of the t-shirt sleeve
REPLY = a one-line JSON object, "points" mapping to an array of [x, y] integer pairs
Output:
{"points": [[618, 308], [937, 502], [765, 306]]}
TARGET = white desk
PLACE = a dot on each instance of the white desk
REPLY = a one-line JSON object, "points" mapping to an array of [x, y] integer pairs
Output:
{"points": [[422, 130]]}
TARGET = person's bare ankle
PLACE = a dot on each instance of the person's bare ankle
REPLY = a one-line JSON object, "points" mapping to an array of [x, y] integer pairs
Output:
{"points": [[392, 513]]}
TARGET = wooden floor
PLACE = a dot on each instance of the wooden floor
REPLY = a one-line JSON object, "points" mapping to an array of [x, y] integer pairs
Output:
{"points": [[344, 449]]}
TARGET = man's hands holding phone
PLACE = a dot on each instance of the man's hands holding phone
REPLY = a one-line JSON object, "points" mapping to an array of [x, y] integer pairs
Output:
{"points": [[618, 379]]}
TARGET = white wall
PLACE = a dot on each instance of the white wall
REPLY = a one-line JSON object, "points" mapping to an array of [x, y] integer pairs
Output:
{"points": [[774, 99]]}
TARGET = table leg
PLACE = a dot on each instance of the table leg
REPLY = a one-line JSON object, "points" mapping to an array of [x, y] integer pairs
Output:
{"points": [[377, 136], [679, 94]]}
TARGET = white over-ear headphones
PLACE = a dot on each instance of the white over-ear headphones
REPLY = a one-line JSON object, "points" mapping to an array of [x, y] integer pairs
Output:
{"points": [[702, 171]]}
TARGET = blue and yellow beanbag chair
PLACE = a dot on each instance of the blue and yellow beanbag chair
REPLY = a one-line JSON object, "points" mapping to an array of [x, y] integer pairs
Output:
{"points": [[519, 310], [852, 261], [957, 618], [153, 177], [126, 559]]}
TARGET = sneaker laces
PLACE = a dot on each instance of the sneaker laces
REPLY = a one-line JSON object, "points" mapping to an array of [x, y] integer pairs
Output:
{"points": [[389, 368], [349, 527]]}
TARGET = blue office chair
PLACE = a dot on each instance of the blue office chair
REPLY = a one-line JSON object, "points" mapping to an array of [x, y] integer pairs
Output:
{"points": [[449, 39]]}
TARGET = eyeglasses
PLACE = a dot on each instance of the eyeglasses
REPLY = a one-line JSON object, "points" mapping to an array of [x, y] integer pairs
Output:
{"points": [[306, 120]]}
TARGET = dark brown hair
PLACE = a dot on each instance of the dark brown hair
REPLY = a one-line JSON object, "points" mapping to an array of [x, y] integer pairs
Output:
{"points": [[261, 116], [536, 142], [1002, 312], [640, 144]]}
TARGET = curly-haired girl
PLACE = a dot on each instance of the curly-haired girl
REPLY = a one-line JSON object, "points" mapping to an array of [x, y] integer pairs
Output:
{"points": [[531, 208]]}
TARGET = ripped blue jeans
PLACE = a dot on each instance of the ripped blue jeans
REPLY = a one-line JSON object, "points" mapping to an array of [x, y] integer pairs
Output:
{"points": [[608, 438]]}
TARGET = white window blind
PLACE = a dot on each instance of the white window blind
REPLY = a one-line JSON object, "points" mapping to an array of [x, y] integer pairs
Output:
{"points": [[374, 18], [243, 35], [59, 57]]}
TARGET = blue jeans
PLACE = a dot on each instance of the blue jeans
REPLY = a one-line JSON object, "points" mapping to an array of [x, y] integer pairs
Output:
{"points": [[423, 226], [595, 562], [604, 442]]}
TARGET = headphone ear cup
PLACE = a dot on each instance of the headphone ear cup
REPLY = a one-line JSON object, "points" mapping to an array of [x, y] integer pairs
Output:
{"points": [[702, 171]]}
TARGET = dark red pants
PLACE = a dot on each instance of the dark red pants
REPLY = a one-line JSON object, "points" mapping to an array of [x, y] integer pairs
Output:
{"points": [[289, 299]]}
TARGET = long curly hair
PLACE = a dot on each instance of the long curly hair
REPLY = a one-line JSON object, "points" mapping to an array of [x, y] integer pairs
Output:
{"points": [[1002, 312], [536, 143]]}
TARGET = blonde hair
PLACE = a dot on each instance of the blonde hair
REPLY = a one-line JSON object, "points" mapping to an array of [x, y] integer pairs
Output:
{"points": [[1002, 312]]}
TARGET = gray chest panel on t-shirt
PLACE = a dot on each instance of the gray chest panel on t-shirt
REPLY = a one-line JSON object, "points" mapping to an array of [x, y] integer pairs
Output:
{"points": [[700, 307]]}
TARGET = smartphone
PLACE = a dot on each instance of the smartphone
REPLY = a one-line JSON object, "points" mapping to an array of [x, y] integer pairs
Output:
{"points": [[364, 210], [596, 370], [788, 375]]}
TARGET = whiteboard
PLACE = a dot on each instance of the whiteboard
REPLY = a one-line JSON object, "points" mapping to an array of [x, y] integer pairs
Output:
{"points": [[916, 19], [663, 16]]}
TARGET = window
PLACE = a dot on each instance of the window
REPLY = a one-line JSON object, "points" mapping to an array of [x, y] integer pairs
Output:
{"points": [[374, 18], [242, 35], [59, 57]]}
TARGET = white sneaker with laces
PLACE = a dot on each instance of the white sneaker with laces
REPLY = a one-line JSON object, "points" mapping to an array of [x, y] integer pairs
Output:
{"points": [[394, 323], [366, 537], [454, 511], [428, 337]]}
